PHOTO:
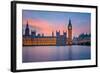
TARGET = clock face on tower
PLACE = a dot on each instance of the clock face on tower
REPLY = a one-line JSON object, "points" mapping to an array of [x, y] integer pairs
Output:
{"points": [[69, 27]]}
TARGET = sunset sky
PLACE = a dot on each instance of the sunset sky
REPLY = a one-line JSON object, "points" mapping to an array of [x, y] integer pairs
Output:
{"points": [[49, 21]]}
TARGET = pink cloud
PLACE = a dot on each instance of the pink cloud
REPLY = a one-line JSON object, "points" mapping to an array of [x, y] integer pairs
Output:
{"points": [[41, 25], [79, 30], [44, 26]]}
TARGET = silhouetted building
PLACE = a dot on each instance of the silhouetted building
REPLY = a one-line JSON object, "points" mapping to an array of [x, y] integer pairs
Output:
{"points": [[75, 40], [33, 33], [42, 35], [84, 39], [61, 39], [39, 35], [27, 30], [69, 33], [52, 34]]}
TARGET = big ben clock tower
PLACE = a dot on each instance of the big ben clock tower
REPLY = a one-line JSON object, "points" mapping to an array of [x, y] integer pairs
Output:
{"points": [[69, 33]]}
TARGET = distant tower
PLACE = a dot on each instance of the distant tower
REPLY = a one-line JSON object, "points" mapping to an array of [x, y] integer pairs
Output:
{"points": [[65, 37], [52, 34], [58, 41], [69, 33], [57, 34], [27, 30], [65, 34], [42, 34], [33, 33]]}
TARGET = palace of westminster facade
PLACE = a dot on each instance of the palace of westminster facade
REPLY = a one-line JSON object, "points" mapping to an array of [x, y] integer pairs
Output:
{"points": [[41, 40]]}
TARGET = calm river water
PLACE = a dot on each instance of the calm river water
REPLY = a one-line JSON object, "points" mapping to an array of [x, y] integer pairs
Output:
{"points": [[55, 53]]}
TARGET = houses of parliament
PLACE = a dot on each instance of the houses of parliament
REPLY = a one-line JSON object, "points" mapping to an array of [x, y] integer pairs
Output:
{"points": [[33, 39]]}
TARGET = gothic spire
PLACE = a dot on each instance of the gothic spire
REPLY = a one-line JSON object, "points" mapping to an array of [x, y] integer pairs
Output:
{"points": [[69, 24], [27, 24]]}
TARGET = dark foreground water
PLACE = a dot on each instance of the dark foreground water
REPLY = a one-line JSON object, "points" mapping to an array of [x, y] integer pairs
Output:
{"points": [[55, 53]]}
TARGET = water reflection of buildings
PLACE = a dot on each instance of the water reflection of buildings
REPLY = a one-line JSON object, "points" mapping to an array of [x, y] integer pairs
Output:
{"points": [[40, 39]]}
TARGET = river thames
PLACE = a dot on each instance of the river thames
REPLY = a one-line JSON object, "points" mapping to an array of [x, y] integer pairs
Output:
{"points": [[55, 53]]}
